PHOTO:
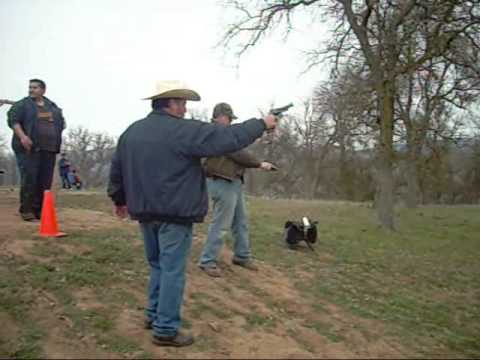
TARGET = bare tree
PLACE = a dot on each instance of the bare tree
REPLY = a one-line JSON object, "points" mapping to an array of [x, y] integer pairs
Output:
{"points": [[376, 33], [199, 114], [90, 153], [451, 81], [345, 103]]}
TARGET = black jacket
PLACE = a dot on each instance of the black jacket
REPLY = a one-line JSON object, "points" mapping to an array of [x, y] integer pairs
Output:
{"points": [[156, 169], [24, 112]]}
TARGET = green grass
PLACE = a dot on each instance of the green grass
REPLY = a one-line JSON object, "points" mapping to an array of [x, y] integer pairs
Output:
{"points": [[114, 261], [205, 305], [118, 344], [204, 343], [324, 329], [421, 283], [255, 320], [85, 200], [29, 344], [17, 303]]}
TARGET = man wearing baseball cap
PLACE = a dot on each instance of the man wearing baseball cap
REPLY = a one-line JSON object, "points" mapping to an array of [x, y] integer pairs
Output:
{"points": [[156, 177], [225, 186]]}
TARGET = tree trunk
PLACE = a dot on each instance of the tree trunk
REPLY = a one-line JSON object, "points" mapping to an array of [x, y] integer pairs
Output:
{"points": [[412, 185], [385, 201], [411, 170]]}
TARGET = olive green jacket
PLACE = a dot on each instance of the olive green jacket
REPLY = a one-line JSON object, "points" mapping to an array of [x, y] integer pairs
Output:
{"points": [[231, 166]]}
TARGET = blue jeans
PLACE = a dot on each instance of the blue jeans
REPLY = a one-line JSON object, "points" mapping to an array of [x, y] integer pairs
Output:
{"points": [[228, 213], [167, 246]]}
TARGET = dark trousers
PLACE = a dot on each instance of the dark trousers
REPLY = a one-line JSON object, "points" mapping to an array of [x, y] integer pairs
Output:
{"points": [[36, 172], [21, 171]]}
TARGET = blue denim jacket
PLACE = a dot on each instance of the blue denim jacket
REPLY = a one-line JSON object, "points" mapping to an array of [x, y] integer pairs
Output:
{"points": [[24, 112]]}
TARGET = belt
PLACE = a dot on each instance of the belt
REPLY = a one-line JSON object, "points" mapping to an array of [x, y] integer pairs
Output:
{"points": [[215, 178]]}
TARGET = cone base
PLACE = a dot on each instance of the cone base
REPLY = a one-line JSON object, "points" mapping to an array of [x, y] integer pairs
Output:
{"points": [[59, 234]]}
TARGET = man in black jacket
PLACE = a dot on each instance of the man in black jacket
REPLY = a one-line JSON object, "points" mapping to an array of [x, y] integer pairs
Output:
{"points": [[37, 124], [157, 178]]}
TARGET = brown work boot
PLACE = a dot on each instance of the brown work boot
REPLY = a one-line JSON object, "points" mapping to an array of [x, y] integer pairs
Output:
{"points": [[212, 271], [247, 264], [178, 340]]}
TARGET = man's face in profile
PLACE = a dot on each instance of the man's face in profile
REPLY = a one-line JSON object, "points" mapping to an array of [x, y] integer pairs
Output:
{"points": [[178, 107]]}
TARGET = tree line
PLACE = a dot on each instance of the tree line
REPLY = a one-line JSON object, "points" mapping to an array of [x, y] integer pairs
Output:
{"points": [[416, 62], [396, 121]]}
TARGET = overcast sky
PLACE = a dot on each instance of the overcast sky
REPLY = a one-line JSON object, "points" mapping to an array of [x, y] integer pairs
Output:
{"points": [[100, 57]]}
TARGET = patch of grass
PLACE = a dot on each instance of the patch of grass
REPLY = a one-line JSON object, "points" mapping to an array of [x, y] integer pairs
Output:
{"points": [[102, 322], [200, 307], [46, 250], [29, 345], [300, 340], [255, 320], [118, 296], [11, 299], [324, 330], [119, 344], [84, 200], [203, 344], [418, 281], [203, 302], [186, 324]]}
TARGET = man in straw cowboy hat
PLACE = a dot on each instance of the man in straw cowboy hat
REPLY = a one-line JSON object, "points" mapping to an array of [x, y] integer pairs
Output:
{"points": [[157, 178]]}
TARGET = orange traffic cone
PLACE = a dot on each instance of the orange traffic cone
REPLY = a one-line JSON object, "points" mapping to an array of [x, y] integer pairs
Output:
{"points": [[48, 223]]}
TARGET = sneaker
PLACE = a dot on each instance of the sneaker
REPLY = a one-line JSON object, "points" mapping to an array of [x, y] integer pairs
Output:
{"points": [[178, 340], [212, 271], [247, 264]]}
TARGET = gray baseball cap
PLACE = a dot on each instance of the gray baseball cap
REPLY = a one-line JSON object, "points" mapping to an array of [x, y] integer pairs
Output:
{"points": [[223, 109]]}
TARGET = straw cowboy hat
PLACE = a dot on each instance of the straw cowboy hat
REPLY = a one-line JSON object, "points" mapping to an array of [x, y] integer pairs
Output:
{"points": [[173, 89]]}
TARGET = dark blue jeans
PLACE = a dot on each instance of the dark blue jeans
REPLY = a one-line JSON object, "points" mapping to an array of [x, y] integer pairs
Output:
{"points": [[20, 157], [36, 175], [167, 246]]}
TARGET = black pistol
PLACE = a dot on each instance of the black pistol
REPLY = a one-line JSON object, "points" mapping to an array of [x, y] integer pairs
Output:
{"points": [[278, 112]]}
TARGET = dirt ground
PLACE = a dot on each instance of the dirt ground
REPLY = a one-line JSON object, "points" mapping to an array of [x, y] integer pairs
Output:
{"points": [[240, 294]]}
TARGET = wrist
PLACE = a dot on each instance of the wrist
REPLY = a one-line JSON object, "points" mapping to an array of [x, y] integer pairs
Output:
{"points": [[265, 127]]}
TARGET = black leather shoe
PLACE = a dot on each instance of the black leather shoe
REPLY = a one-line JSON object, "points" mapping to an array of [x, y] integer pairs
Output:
{"points": [[28, 217], [178, 340]]}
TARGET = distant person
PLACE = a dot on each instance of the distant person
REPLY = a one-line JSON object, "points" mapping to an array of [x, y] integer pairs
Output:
{"points": [[74, 179], [71, 175], [64, 169], [225, 188], [37, 124], [156, 176]]}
